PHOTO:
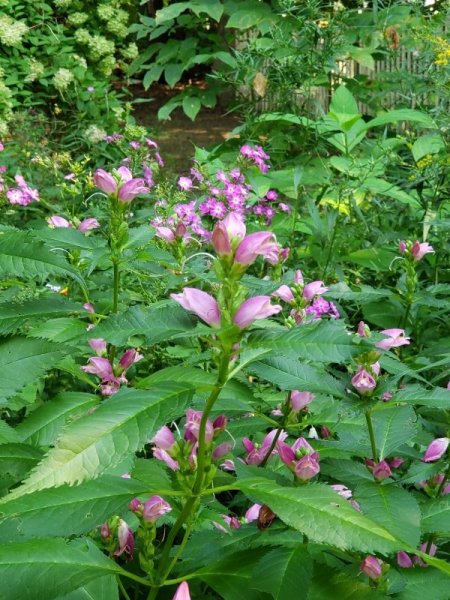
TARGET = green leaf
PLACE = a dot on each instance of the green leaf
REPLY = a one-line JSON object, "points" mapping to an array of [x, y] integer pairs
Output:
{"points": [[285, 573], [170, 12], [191, 106], [67, 237], [17, 459], [213, 8], [59, 330], [343, 104], [393, 426], [321, 514], [374, 185], [159, 322], [13, 316], [173, 72], [436, 516], [254, 14], [103, 588], [326, 342], [22, 361], [424, 584], [48, 568], [23, 256], [427, 144], [403, 114], [67, 510], [327, 584], [44, 424], [393, 508], [435, 398], [7, 433], [120, 426], [289, 374]]}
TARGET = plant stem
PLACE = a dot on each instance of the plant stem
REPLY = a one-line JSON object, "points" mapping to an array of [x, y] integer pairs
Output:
{"points": [[115, 308], [371, 435], [192, 501], [122, 589], [443, 482], [286, 410]]}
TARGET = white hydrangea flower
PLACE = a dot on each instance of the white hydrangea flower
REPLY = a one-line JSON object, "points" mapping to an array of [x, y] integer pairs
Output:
{"points": [[62, 79], [94, 134], [11, 32]]}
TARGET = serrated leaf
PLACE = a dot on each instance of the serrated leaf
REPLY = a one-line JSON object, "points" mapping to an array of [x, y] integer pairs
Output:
{"points": [[44, 424], [17, 459], [67, 237], [322, 515], [435, 398], [158, 323], [436, 516], [59, 330], [22, 361], [402, 114], [13, 316], [23, 256], [328, 584], [285, 573], [7, 433], [67, 510], [119, 426], [393, 426], [422, 584], [393, 508], [48, 568], [290, 374], [326, 342]]}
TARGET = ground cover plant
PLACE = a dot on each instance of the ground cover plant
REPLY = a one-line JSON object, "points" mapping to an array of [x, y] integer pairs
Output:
{"points": [[230, 382]]}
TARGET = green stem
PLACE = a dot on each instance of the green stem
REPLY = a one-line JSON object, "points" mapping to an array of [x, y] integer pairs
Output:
{"points": [[286, 410], [122, 589], [371, 435], [443, 482], [164, 567], [115, 307]]}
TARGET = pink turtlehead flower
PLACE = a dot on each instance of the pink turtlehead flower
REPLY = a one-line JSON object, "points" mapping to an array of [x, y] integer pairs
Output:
{"points": [[252, 513], [363, 329], [88, 225], [200, 303], [284, 292], [182, 592], [57, 222], [164, 438], [394, 339], [363, 382], [436, 449], [98, 345], [404, 560], [371, 566], [419, 250], [300, 400], [256, 454], [129, 357], [261, 243], [342, 490], [126, 540], [132, 188], [258, 307], [381, 470], [165, 233], [165, 457], [221, 240], [424, 548], [307, 467], [105, 182], [100, 367], [192, 427], [312, 289], [154, 508], [222, 450]]}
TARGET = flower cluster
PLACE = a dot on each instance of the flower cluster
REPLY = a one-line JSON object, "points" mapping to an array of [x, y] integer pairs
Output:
{"points": [[111, 377], [301, 458], [23, 194], [257, 156], [415, 250], [120, 184], [84, 226]]}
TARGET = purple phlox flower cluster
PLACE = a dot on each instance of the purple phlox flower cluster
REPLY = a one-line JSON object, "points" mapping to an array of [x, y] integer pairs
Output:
{"points": [[405, 561], [121, 184], [257, 156], [415, 250], [256, 453], [115, 137], [111, 377], [23, 194], [301, 458], [84, 226]]}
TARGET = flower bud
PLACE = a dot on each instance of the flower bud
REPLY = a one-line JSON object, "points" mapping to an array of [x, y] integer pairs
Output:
{"points": [[57, 222], [381, 471], [255, 308], [436, 449], [164, 438], [371, 567], [98, 345], [363, 382], [286, 453], [154, 508], [88, 225], [129, 357], [182, 592], [404, 560], [307, 467], [300, 400], [135, 505]]}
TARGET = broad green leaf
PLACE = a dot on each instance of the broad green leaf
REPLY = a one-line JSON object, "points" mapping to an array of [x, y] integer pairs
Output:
{"points": [[213, 8], [290, 374], [435, 398], [159, 322], [120, 426], [326, 342], [436, 516], [59, 330], [424, 584], [7, 433], [173, 72], [343, 103], [403, 114], [427, 144], [393, 427], [22, 361], [322, 515], [170, 12], [23, 256], [67, 510], [378, 259], [67, 237], [254, 14], [13, 316], [103, 588], [391, 507], [48, 568], [17, 459], [328, 584], [44, 424], [375, 186], [231, 576], [191, 106], [285, 573]]}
